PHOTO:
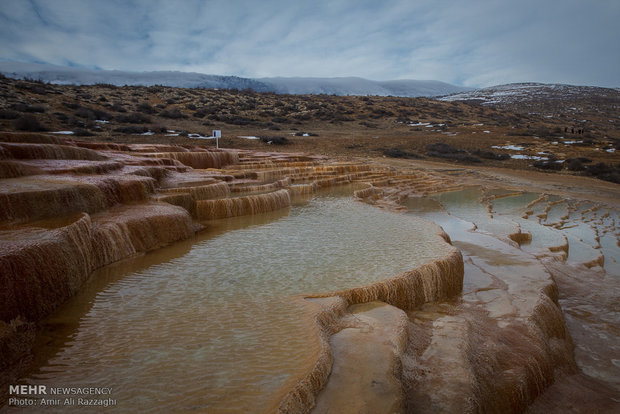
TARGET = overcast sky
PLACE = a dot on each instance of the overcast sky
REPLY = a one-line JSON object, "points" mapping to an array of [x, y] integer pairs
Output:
{"points": [[464, 42]]}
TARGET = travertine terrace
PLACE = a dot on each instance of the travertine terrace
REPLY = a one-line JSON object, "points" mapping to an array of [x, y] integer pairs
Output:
{"points": [[69, 207]]}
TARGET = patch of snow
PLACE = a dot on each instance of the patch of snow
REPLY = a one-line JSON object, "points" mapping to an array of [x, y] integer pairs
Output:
{"points": [[198, 136], [101, 121], [487, 132], [509, 147], [247, 137], [63, 132], [528, 157], [420, 124], [610, 150], [573, 142], [172, 135]]}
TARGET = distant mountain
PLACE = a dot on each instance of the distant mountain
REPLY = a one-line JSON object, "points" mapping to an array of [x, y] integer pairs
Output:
{"points": [[336, 86], [61, 75], [361, 87], [514, 93]]}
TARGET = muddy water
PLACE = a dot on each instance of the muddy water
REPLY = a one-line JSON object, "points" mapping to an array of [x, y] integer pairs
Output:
{"points": [[217, 326]]}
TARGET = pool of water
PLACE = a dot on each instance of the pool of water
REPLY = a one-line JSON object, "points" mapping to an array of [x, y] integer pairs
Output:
{"points": [[217, 324]]}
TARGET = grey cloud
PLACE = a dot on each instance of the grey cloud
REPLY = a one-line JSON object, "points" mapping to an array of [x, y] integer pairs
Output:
{"points": [[473, 43]]}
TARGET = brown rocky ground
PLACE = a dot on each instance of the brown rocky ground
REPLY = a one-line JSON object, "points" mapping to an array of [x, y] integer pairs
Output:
{"points": [[582, 130]]}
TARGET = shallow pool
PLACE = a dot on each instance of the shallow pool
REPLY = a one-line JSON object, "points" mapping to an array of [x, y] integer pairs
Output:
{"points": [[217, 324]]}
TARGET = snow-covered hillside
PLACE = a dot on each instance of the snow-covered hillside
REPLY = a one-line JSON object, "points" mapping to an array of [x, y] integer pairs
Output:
{"points": [[527, 92], [335, 86]]}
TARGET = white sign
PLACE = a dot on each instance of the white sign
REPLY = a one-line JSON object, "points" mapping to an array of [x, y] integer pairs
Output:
{"points": [[217, 134]]}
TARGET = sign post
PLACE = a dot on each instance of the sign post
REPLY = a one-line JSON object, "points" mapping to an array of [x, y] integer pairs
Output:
{"points": [[217, 133]]}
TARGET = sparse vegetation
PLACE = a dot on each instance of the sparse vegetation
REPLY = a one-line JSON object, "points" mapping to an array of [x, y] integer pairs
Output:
{"points": [[366, 126]]}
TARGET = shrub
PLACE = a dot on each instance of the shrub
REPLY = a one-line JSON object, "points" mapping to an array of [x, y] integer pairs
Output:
{"points": [[605, 172], [80, 132], [118, 107], [576, 164], [103, 115], [275, 140], [599, 169], [85, 113], [134, 118], [92, 114], [442, 148], [303, 117], [71, 105], [398, 153], [548, 165], [145, 108], [238, 120], [8, 114], [132, 129], [28, 123], [455, 156], [33, 85], [368, 124], [28, 108], [174, 113], [490, 155], [61, 116]]}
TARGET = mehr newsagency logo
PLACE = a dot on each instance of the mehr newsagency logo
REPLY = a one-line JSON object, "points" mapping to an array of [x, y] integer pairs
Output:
{"points": [[46, 396]]}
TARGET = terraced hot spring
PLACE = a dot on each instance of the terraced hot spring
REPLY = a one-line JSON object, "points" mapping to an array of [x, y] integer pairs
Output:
{"points": [[218, 324], [574, 241]]}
